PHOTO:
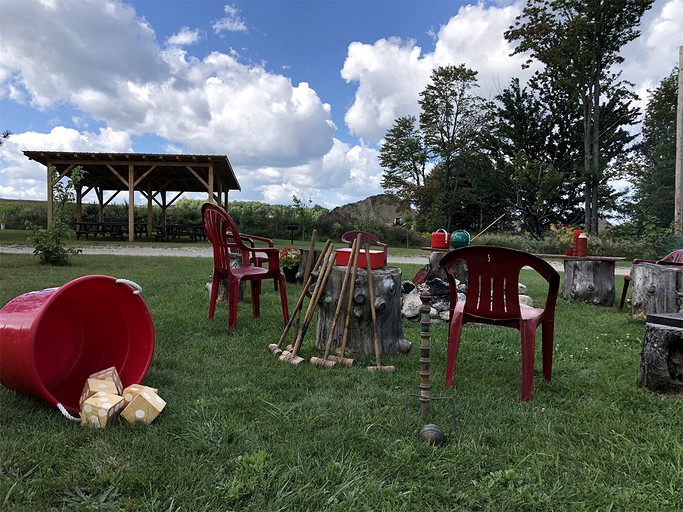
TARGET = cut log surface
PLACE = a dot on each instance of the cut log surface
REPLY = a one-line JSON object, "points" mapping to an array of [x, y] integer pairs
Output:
{"points": [[387, 285], [590, 281], [661, 359], [656, 289]]}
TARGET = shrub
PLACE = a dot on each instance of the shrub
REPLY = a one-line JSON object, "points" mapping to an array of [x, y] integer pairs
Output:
{"points": [[49, 244]]}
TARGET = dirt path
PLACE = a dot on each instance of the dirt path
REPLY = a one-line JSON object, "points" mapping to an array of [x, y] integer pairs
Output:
{"points": [[205, 252]]}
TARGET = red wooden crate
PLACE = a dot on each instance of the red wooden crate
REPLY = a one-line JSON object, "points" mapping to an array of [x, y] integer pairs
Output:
{"points": [[376, 258]]}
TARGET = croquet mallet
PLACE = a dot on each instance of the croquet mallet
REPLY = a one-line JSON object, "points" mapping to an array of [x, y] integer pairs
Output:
{"points": [[307, 272], [371, 289], [276, 348], [346, 361], [324, 361], [293, 357]]}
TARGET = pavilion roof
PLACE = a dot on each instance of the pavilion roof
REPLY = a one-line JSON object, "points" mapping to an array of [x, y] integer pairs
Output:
{"points": [[167, 172]]}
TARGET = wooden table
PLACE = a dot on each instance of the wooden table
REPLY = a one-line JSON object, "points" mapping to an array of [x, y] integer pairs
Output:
{"points": [[174, 231], [588, 278], [113, 229]]}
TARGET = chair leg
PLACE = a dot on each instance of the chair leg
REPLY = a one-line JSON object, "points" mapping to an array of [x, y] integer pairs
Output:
{"points": [[453, 344], [623, 292], [256, 298], [547, 334], [528, 335], [215, 283], [233, 297], [282, 286]]}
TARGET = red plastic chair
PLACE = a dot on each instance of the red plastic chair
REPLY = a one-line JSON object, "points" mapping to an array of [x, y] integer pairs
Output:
{"points": [[258, 258], [492, 298], [366, 238], [673, 258], [225, 238]]}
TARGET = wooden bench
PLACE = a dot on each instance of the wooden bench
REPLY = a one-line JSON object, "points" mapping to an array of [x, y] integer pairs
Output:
{"points": [[175, 231], [111, 229]]}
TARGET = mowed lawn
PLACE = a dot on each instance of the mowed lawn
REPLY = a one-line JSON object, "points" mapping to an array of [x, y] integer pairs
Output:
{"points": [[244, 431]]}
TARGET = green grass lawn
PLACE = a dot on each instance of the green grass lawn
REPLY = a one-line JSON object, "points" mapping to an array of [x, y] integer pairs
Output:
{"points": [[243, 431]]}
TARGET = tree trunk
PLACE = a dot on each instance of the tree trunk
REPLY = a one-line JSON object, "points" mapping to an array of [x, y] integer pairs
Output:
{"points": [[589, 280], [656, 289], [387, 286], [661, 359]]}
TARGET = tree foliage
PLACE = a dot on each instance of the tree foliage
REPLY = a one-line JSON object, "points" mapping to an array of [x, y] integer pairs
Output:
{"points": [[578, 43], [654, 163], [404, 158], [49, 244], [450, 118]]}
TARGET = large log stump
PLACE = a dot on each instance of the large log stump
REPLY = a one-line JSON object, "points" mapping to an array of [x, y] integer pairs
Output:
{"points": [[387, 286], [459, 269], [303, 261], [661, 359], [589, 280], [656, 289]]}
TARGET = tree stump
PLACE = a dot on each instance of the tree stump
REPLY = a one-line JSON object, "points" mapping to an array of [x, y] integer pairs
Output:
{"points": [[235, 261], [661, 359], [590, 281], [434, 260], [302, 263], [387, 286], [656, 289]]}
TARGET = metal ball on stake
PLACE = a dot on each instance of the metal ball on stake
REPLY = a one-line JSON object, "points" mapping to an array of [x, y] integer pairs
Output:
{"points": [[431, 432]]}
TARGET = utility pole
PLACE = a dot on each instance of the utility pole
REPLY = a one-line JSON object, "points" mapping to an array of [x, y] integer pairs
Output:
{"points": [[679, 147]]}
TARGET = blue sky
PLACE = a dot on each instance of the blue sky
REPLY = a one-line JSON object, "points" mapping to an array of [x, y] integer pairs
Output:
{"points": [[298, 94]]}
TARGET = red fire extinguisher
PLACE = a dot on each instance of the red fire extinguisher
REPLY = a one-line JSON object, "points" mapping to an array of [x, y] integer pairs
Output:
{"points": [[575, 242], [582, 245]]}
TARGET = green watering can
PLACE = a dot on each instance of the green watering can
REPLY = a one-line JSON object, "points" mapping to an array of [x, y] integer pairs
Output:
{"points": [[460, 239]]}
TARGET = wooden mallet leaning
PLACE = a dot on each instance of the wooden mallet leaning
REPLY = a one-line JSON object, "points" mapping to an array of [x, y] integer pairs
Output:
{"points": [[293, 357], [371, 289], [346, 361], [324, 361], [276, 348]]}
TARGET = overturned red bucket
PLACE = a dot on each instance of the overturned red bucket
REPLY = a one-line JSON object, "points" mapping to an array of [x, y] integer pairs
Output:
{"points": [[52, 340]]}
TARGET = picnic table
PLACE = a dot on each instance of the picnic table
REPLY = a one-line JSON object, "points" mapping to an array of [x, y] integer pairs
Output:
{"points": [[111, 229], [175, 231]]}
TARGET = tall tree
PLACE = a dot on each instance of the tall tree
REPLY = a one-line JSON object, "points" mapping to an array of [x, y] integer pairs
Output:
{"points": [[524, 141], [655, 165], [404, 159], [578, 41], [451, 114]]}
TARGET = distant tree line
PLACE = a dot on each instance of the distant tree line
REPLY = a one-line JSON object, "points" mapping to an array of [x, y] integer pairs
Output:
{"points": [[542, 154]]}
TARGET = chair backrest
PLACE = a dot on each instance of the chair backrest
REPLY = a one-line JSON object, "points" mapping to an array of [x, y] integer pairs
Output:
{"points": [[673, 257], [223, 234], [493, 280], [366, 238]]}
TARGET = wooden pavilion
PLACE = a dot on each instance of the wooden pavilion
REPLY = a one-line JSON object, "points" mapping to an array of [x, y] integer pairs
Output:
{"points": [[161, 179]]}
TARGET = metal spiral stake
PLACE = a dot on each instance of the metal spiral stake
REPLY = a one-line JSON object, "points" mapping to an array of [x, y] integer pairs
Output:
{"points": [[425, 335], [430, 433]]}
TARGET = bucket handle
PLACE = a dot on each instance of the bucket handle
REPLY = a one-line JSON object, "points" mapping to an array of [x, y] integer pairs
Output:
{"points": [[132, 284], [66, 414]]}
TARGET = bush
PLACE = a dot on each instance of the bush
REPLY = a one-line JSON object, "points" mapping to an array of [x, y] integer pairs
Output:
{"points": [[49, 244]]}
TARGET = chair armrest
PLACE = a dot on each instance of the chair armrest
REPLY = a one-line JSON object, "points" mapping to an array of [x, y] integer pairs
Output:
{"points": [[638, 260], [257, 238], [272, 253]]}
